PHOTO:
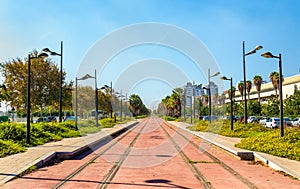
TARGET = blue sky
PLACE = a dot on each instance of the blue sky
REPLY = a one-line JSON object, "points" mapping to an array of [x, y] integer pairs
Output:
{"points": [[220, 25]]}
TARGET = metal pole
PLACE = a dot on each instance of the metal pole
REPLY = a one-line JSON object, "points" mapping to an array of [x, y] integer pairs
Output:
{"points": [[111, 100], [28, 103], [96, 99], [184, 106], [121, 108], [245, 91], [280, 96], [194, 104], [125, 106], [191, 109], [60, 82], [76, 105], [231, 104], [209, 96]]}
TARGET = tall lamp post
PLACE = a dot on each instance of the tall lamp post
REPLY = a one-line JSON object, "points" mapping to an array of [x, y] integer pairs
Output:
{"points": [[209, 90], [42, 55], [231, 103], [87, 76], [60, 77], [121, 96], [270, 55], [244, 70]]}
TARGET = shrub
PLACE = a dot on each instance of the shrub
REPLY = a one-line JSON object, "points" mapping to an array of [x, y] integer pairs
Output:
{"points": [[9, 147]]}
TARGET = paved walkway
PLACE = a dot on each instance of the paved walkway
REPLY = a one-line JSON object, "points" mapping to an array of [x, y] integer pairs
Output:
{"points": [[290, 167], [13, 165]]}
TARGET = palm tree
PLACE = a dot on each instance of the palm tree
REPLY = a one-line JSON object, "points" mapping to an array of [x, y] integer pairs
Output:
{"points": [[241, 89], [257, 80], [248, 88], [274, 77]]}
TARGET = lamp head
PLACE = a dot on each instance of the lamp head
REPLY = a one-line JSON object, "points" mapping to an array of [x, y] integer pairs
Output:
{"points": [[258, 47], [267, 55], [87, 76], [46, 50], [217, 73], [43, 55], [224, 78]]}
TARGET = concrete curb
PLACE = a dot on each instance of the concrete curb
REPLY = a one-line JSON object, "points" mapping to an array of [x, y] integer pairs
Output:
{"points": [[41, 161]]}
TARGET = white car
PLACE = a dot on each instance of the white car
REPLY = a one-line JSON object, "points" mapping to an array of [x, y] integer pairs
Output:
{"points": [[296, 122], [263, 121], [273, 122]]}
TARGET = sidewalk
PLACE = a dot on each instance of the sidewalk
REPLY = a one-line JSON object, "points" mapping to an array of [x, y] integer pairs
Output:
{"points": [[13, 165], [290, 167]]}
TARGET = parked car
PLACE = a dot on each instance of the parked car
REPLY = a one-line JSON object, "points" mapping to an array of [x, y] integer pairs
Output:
{"points": [[229, 118], [287, 121], [263, 120], [296, 122], [69, 118], [251, 119], [273, 122]]}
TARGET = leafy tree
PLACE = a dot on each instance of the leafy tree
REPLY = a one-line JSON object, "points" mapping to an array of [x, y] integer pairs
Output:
{"points": [[272, 106], [254, 107], [257, 80], [44, 83], [292, 104]]}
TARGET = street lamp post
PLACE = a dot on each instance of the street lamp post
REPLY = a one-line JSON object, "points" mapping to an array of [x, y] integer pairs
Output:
{"points": [[60, 77], [209, 91], [42, 55], [244, 70], [87, 76], [270, 55], [121, 96], [231, 103]]}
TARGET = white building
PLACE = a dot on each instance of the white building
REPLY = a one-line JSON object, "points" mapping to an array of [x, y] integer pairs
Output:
{"points": [[288, 87]]}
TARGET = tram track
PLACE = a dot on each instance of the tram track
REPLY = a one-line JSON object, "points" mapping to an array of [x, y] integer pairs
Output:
{"points": [[196, 171], [114, 169]]}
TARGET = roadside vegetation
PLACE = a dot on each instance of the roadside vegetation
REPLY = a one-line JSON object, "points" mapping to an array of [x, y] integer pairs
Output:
{"points": [[13, 135], [256, 137]]}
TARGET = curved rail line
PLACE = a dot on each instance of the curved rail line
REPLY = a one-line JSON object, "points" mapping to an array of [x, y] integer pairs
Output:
{"points": [[198, 173], [114, 169]]}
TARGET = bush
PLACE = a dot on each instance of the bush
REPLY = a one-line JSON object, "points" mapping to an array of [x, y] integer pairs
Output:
{"points": [[9, 147], [141, 116], [256, 137], [270, 142]]}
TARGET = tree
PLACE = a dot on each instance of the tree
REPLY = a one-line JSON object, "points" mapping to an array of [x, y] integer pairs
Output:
{"points": [[274, 77], [136, 105], [257, 80], [292, 104], [241, 89], [44, 83], [254, 108], [4, 96], [248, 87]]}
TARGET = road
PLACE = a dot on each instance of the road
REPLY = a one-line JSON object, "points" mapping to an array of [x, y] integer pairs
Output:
{"points": [[155, 154]]}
